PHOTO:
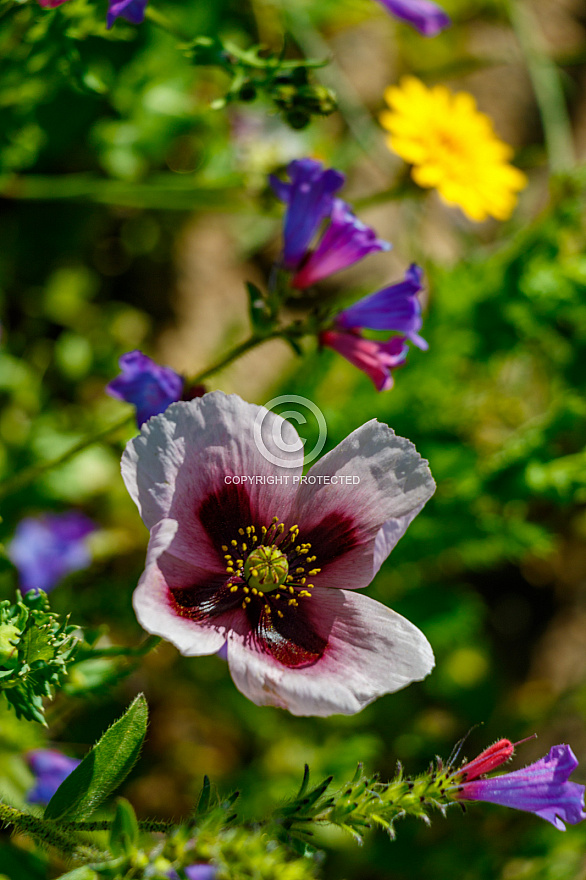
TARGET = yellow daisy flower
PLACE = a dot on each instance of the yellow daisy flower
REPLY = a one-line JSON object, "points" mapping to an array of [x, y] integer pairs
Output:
{"points": [[452, 147]]}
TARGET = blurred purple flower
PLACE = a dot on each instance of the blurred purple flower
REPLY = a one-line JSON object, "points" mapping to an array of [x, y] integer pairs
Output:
{"points": [[44, 549], [147, 385], [131, 10], [50, 768], [345, 241], [541, 788], [201, 871], [376, 359], [427, 17], [393, 308], [309, 199]]}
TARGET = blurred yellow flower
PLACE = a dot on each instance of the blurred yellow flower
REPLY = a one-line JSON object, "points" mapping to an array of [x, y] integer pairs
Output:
{"points": [[453, 147]]}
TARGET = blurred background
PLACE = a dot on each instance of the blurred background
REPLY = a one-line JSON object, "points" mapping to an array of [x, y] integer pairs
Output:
{"points": [[131, 214]]}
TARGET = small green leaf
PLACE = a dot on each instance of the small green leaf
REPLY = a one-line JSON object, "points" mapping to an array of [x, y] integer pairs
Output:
{"points": [[124, 830], [83, 873], [260, 313], [203, 804], [304, 782], [104, 768]]}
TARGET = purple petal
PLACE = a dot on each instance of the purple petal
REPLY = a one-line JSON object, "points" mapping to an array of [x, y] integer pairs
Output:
{"points": [[542, 788], [345, 241], [45, 549], [144, 383], [51, 768], [427, 17], [201, 872], [393, 308], [131, 10], [309, 199]]}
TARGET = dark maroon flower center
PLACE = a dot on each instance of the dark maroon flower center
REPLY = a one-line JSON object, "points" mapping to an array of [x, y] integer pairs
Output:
{"points": [[269, 573]]}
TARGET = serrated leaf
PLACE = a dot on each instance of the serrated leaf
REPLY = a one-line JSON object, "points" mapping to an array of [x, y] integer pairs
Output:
{"points": [[104, 768]]}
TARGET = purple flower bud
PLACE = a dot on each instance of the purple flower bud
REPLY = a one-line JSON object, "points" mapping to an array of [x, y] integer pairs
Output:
{"points": [[131, 10], [541, 788], [44, 549], [345, 241], [50, 768], [376, 359], [427, 17], [393, 308], [147, 385], [309, 199]]}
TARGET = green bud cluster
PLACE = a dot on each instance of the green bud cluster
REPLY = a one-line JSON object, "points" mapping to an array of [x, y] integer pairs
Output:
{"points": [[254, 72], [364, 803], [35, 650]]}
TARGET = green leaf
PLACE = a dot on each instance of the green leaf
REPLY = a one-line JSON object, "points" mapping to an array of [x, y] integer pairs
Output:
{"points": [[203, 804], [104, 768], [83, 873], [124, 830], [260, 313]]}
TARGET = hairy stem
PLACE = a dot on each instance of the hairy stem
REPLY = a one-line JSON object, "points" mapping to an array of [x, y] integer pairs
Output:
{"points": [[41, 829], [148, 825]]}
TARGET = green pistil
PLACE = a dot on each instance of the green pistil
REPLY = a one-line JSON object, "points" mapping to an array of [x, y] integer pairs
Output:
{"points": [[266, 568]]}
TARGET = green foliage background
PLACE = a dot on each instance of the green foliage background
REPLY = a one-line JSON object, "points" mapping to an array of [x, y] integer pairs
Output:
{"points": [[109, 147]]}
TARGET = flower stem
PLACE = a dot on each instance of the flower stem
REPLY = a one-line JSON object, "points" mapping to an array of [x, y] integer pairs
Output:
{"points": [[161, 21], [363, 129], [30, 474], [233, 354], [43, 830], [148, 825], [547, 86]]}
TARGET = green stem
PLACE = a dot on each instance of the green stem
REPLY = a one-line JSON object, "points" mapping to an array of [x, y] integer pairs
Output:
{"points": [[148, 825], [148, 645], [41, 829], [547, 86], [161, 21], [359, 121], [232, 355], [163, 191], [30, 474]]}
